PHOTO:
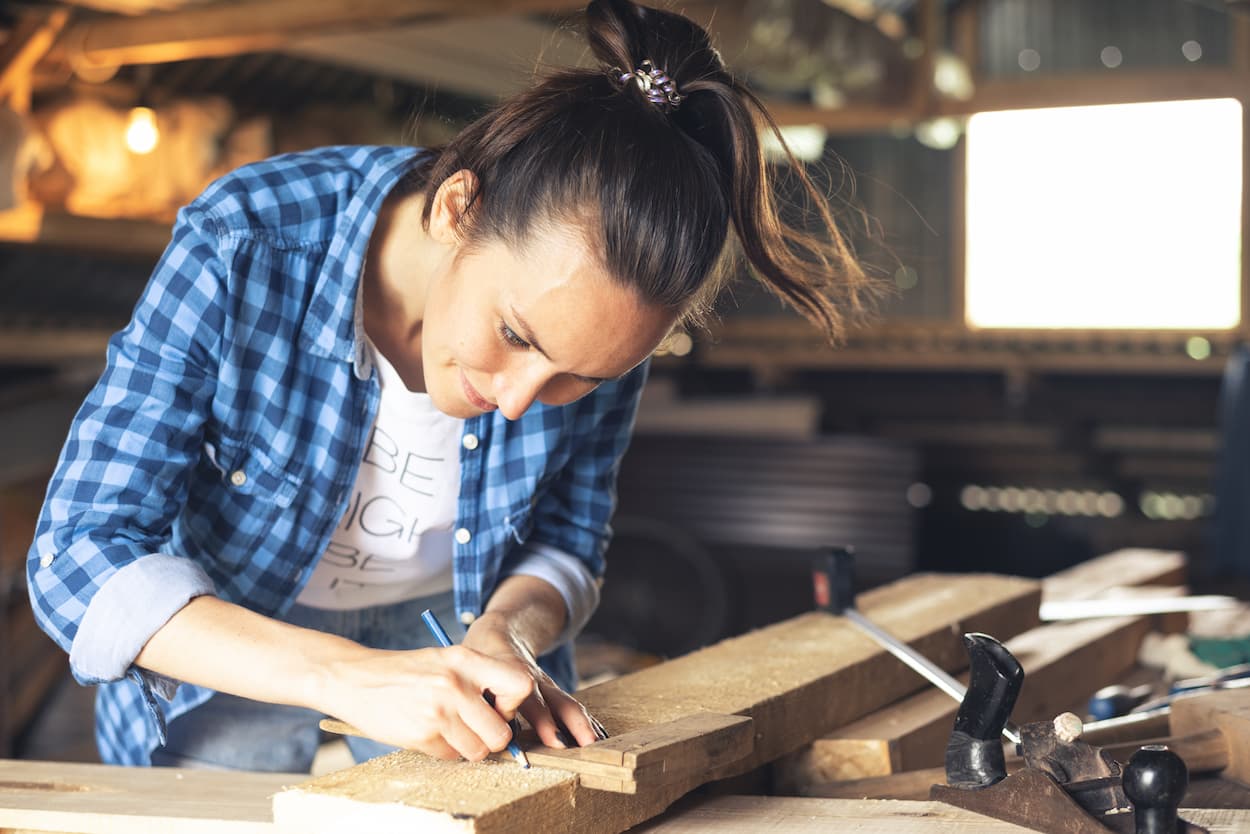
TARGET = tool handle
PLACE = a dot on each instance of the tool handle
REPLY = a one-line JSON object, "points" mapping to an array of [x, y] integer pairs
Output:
{"points": [[1116, 700], [1155, 780], [833, 580], [974, 754]]}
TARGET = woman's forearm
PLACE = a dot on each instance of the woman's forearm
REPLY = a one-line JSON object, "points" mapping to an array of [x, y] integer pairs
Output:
{"points": [[532, 609], [214, 643]]}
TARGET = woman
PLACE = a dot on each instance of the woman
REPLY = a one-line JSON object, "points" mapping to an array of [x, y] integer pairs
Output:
{"points": [[367, 381]]}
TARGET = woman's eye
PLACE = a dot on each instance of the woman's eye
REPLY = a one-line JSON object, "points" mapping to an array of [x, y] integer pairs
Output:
{"points": [[509, 335]]}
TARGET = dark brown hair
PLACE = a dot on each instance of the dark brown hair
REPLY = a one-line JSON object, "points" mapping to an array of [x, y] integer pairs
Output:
{"points": [[656, 189]]}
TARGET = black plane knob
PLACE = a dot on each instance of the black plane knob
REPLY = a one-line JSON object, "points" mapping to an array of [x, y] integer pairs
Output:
{"points": [[1155, 780]]}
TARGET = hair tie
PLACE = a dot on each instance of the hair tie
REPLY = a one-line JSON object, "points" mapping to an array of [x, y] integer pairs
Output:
{"points": [[655, 84]]}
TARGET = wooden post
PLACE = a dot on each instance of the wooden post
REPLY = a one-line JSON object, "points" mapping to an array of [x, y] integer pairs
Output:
{"points": [[1239, 35], [29, 42]]}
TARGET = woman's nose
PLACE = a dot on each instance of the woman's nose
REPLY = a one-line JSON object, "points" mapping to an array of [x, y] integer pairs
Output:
{"points": [[517, 387]]}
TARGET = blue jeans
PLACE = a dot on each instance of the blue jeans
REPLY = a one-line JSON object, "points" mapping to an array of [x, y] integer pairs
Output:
{"points": [[232, 733]]}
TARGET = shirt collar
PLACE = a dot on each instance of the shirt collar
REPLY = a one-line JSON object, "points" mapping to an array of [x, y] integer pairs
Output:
{"points": [[334, 325]]}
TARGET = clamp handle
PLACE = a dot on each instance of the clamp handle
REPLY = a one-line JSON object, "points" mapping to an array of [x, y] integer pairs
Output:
{"points": [[833, 580]]}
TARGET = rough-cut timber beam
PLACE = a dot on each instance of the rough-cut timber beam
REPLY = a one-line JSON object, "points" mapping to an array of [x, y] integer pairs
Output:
{"points": [[1071, 90], [27, 44], [231, 28], [743, 814], [103, 799]]}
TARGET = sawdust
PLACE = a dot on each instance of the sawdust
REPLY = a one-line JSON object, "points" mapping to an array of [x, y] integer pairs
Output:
{"points": [[418, 780]]}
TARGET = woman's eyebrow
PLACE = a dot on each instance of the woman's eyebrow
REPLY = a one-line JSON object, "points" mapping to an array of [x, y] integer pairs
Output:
{"points": [[527, 333]]}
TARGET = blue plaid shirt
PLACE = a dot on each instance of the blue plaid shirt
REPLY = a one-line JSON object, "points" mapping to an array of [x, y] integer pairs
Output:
{"points": [[218, 451]]}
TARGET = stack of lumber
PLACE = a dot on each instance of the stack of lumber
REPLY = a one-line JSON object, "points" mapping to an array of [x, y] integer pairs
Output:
{"points": [[724, 711], [30, 663], [1064, 663]]}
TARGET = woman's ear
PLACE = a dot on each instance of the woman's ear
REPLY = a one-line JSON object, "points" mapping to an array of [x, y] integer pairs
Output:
{"points": [[451, 205]]}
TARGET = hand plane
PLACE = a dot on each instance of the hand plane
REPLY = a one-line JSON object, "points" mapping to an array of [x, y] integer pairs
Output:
{"points": [[1066, 785]]}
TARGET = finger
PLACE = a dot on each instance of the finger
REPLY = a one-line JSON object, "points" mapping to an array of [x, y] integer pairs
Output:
{"points": [[538, 714], [484, 722], [572, 716], [466, 741], [437, 748], [508, 683], [600, 730]]}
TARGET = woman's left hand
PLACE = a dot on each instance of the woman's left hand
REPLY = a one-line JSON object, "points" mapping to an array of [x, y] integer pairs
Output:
{"points": [[550, 710]]}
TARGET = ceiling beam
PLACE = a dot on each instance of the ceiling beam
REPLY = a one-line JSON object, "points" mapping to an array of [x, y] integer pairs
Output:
{"points": [[27, 44], [231, 28], [1066, 90]]}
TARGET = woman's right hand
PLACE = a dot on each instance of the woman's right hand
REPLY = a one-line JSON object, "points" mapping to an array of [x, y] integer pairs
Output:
{"points": [[427, 699]]}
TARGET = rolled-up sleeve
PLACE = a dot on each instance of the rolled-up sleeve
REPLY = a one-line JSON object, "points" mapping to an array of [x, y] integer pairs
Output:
{"points": [[101, 580], [568, 575]]}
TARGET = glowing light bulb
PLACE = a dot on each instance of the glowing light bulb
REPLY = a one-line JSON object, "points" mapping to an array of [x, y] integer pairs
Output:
{"points": [[142, 133]]}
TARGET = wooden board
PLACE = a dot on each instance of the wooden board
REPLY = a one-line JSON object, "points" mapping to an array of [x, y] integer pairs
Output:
{"points": [[101, 799], [1129, 567], [641, 759], [795, 680], [1229, 712], [654, 756], [795, 815], [1063, 662]]}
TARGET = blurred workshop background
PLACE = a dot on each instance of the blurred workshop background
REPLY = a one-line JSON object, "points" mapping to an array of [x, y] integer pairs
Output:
{"points": [[1056, 189]]}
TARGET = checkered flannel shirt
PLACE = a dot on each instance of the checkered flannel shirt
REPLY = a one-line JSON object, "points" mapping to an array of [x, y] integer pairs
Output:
{"points": [[219, 448]]}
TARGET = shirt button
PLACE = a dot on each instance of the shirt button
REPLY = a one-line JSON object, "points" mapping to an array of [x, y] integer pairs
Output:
{"points": [[467, 617], [463, 536], [238, 477], [46, 560], [469, 441]]}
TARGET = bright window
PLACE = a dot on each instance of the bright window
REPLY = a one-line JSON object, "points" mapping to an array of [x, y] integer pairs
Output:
{"points": [[1117, 216]]}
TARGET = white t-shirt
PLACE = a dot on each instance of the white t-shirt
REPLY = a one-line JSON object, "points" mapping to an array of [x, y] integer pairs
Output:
{"points": [[394, 541]]}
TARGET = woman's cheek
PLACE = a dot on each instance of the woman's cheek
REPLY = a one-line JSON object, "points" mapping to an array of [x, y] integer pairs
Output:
{"points": [[563, 390]]}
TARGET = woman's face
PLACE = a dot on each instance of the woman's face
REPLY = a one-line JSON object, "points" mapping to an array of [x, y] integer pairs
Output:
{"points": [[503, 328]]}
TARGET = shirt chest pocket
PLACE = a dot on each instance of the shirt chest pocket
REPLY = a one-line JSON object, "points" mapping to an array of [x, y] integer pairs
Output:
{"points": [[240, 495]]}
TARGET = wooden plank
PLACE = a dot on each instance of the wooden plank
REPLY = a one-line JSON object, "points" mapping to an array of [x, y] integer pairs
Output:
{"points": [[642, 759], [1059, 90], [1229, 712], [795, 680], [32, 223], [653, 756], [1121, 568], [102, 799], [792, 815], [912, 733]]}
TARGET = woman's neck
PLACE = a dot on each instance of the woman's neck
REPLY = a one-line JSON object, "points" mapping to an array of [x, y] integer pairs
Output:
{"points": [[396, 276]]}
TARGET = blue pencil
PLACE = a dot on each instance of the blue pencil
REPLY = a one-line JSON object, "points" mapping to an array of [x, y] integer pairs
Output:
{"points": [[440, 634]]}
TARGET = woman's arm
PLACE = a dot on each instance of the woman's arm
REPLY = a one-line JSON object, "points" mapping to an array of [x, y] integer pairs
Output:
{"points": [[428, 700]]}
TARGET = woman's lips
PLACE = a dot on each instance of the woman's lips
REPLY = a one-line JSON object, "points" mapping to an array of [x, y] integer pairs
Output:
{"points": [[474, 398]]}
